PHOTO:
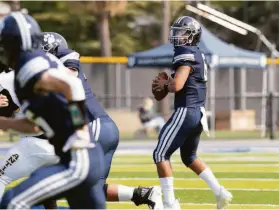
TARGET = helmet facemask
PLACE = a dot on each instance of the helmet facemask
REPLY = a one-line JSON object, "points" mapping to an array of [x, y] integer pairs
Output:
{"points": [[180, 36], [50, 48]]}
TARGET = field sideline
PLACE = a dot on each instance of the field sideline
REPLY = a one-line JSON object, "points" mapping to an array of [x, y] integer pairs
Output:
{"points": [[253, 179]]}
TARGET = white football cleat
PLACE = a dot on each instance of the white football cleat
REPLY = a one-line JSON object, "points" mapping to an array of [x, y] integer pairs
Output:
{"points": [[223, 199], [174, 206]]}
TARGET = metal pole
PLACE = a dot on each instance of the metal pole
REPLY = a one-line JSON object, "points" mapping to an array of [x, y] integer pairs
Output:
{"points": [[128, 88], [118, 85], [258, 46], [165, 103], [231, 87], [243, 88], [264, 100], [212, 101], [271, 93]]}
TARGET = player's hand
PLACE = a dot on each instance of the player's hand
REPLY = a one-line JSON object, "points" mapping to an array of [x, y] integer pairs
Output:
{"points": [[159, 84], [4, 102], [79, 140]]}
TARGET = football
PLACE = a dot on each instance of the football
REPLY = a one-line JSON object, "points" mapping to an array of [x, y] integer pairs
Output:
{"points": [[161, 94]]}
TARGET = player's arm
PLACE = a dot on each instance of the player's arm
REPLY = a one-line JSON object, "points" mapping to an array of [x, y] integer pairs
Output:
{"points": [[20, 125], [181, 76], [58, 81], [55, 80], [182, 64]]}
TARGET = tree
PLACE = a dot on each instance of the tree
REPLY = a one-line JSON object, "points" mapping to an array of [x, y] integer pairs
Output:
{"points": [[164, 105], [104, 10]]}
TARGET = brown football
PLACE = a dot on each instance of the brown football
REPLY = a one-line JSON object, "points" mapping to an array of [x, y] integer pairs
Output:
{"points": [[160, 95]]}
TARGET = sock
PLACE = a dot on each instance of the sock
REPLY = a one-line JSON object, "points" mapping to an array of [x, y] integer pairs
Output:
{"points": [[125, 193], [168, 191], [211, 180]]}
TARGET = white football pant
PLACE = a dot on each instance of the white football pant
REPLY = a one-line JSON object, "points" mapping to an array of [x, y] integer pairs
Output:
{"points": [[23, 158]]}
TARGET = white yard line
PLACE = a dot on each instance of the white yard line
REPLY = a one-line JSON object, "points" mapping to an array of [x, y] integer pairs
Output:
{"points": [[185, 171], [197, 179], [212, 159], [232, 189], [214, 164], [198, 204]]}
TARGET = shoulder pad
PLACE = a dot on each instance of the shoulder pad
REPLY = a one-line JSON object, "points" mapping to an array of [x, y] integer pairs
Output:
{"points": [[184, 53], [69, 58], [63, 52], [31, 68]]}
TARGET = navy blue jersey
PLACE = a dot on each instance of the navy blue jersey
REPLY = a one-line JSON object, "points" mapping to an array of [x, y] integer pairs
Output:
{"points": [[193, 94], [50, 112], [70, 58]]}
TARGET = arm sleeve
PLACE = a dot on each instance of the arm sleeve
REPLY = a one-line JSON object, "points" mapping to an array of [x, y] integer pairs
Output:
{"points": [[183, 57]]}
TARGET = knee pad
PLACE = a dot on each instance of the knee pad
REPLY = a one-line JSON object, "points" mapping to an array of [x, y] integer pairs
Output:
{"points": [[188, 159]]}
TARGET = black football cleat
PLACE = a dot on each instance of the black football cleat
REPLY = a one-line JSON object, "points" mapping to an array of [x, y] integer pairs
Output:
{"points": [[150, 196]]}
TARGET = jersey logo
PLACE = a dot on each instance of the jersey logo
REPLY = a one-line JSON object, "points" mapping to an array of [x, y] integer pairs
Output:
{"points": [[205, 69], [12, 159]]}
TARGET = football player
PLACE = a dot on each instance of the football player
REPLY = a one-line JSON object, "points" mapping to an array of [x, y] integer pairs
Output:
{"points": [[54, 102], [31, 152], [103, 128], [183, 129]]}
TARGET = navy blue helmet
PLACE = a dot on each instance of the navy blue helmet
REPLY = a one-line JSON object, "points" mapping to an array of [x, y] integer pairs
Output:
{"points": [[185, 31], [51, 41], [18, 32]]}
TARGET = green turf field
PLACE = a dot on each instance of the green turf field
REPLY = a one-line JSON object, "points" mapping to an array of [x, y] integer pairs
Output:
{"points": [[253, 179]]}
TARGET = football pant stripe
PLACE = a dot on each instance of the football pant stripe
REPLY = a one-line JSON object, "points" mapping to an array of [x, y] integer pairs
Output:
{"points": [[160, 142], [57, 183], [98, 129], [173, 135], [163, 140]]}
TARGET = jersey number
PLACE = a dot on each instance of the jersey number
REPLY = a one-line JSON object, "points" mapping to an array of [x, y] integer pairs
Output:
{"points": [[40, 122], [204, 68]]}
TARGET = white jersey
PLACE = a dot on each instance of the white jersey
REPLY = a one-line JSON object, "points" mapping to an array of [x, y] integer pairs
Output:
{"points": [[7, 82]]}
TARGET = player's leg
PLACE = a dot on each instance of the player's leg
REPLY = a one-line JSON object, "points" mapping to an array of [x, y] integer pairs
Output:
{"points": [[16, 197], [23, 158], [150, 196], [170, 139], [53, 181], [188, 153], [109, 138], [90, 197]]}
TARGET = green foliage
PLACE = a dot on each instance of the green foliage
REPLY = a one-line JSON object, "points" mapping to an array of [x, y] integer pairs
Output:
{"points": [[78, 23]]}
